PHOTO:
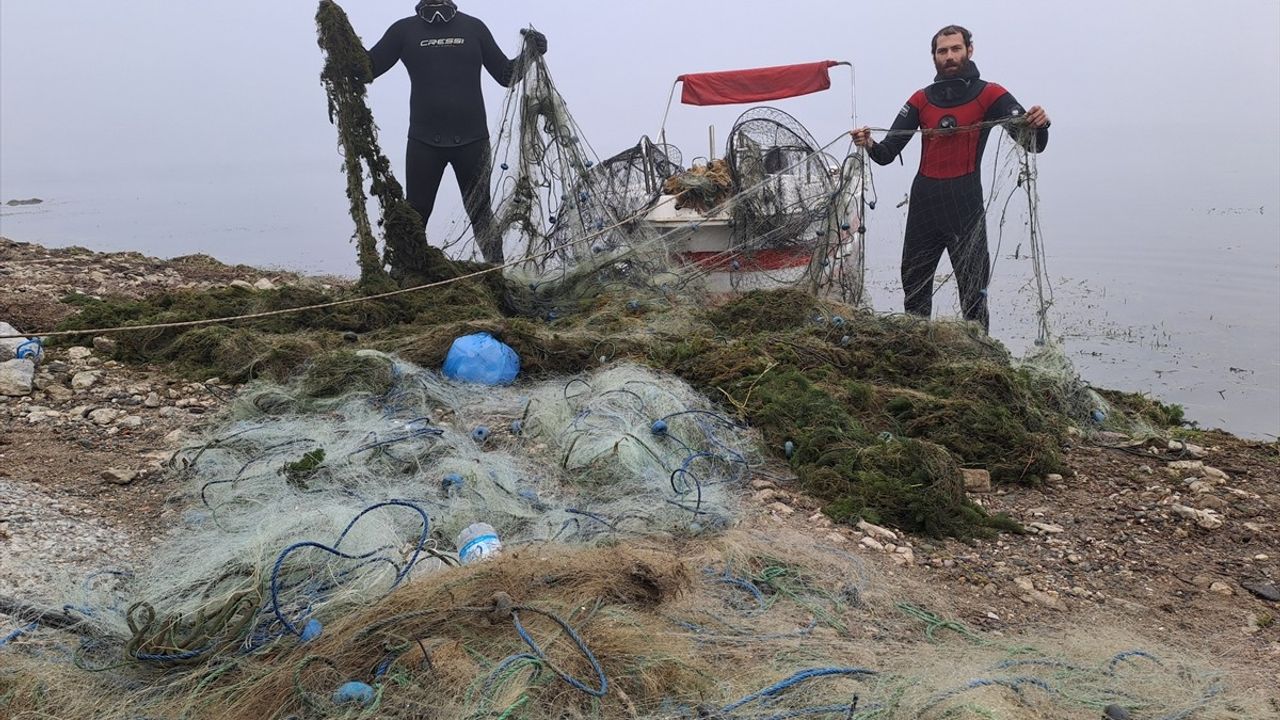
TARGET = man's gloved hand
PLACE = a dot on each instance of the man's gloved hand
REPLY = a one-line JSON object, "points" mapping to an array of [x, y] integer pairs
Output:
{"points": [[538, 40]]}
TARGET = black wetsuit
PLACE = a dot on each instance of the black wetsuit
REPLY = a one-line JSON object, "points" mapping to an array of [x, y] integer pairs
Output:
{"points": [[447, 120], [946, 208]]}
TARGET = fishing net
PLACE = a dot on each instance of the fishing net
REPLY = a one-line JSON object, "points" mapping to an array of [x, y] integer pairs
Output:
{"points": [[775, 212], [740, 626]]}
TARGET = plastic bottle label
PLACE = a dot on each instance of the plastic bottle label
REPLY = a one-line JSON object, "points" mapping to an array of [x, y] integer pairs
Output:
{"points": [[479, 548]]}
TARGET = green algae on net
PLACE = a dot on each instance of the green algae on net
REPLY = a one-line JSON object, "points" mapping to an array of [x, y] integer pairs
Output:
{"points": [[346, 72]]}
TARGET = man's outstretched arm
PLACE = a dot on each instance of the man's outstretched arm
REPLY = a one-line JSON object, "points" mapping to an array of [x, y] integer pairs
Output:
{"points": [[888, 150], [386, 53], [1032, 129]]}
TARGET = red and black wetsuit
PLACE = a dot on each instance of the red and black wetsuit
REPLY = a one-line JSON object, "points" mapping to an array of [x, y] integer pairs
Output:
{"points": [[447, 122], [946, 208]]}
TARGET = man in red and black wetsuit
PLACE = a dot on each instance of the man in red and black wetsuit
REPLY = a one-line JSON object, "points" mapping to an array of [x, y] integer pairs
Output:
{"points": [[947, 210]]}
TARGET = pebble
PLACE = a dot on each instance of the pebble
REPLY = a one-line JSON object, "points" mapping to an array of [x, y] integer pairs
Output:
{"points": [[152, 401], [119, 477], [104, 416], [79, 353], [1206, 519], [1047, 528], [1115, 712], [1222, 588], [872, 544], [85, 380]]}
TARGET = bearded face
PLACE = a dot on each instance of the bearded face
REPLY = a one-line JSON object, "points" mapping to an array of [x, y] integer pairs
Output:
{"points": [[951, 55]]}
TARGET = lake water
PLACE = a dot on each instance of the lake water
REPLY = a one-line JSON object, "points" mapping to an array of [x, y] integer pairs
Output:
{"points": [[1167, 280]]}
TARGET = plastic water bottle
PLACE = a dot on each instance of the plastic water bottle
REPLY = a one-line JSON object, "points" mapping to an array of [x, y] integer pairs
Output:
{"points": [[32, 350], [478, 542]]}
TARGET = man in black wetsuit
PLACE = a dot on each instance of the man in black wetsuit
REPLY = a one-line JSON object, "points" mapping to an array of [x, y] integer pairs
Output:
{"points": [[946, 207], [443, 50]]}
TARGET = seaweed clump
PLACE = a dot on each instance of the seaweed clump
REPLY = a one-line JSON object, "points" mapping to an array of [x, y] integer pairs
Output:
{"points": [[877, 414], [273, 347]]}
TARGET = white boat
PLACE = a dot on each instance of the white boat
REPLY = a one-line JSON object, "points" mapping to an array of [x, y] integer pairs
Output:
{"points": [[792, 217]]}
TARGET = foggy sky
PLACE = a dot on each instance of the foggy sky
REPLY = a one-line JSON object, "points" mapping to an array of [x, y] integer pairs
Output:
{"points": [[177, 91]]}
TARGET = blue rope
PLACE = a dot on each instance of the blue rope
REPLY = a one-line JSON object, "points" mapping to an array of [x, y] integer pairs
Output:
{"points": [[1015, 684], [573, 682], [796, 679], [26, 630], [1115, 662], [401, 572], [729, 579]]}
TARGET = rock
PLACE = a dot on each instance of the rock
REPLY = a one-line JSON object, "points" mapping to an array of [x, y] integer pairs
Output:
{"points": [[17, 377], [782, 509], [105, 345], [1195, 452], [837, 538], [58, 392], [152, 401], [1212, 502], [1193, 466], [870, 543], [1025, 584], [9, 346], [977, 481], [1051, 601], [242, 284], [130, 421], [1115, 712], [1222, 588], [1261, 557], [908, 554], [79, 353], [175, 437], [1046, 528], [103, 416], [119, 477], [1215, 474], [1207, 519], [1200, 486], [761, 484], [1266, 591], [82, 381], [264, 284], [1053, 478], [877, 532]]}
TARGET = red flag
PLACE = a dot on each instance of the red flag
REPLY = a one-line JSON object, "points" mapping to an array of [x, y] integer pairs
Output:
{"points": [[758, 85]]}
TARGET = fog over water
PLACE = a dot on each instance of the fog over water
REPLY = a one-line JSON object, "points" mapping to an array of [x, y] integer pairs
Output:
{"points": [[174, 128]]}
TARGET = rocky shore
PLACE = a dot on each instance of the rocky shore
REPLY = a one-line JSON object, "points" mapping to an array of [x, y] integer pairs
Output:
{"points": [[1178, 536]]}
